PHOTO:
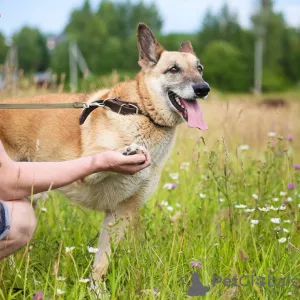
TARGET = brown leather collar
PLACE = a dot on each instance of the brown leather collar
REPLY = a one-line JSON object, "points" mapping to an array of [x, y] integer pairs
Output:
{"points": [[116, 105]]}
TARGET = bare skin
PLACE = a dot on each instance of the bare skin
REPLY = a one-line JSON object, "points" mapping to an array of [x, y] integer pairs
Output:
{"points": [[18, 179]]}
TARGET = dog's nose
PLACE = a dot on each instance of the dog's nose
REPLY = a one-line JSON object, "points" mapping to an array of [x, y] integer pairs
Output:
{"points": [[201, 89]]}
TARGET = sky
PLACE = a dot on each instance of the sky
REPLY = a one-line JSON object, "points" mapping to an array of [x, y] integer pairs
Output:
{"points": [[184, 16]]}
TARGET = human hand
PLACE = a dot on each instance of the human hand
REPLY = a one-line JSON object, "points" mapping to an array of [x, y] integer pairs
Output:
{"points": [[115, 161], [4, 158]]}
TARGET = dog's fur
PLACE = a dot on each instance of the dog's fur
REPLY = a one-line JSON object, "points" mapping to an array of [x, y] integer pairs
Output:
{"points": [[59, 136]]}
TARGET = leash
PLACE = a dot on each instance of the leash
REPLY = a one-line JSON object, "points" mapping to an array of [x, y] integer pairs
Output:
{"points": [[43, 105], [115, 104]]}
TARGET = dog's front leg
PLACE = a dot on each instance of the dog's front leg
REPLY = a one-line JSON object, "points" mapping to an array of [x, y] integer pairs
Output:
{"points": [[113, 228]]}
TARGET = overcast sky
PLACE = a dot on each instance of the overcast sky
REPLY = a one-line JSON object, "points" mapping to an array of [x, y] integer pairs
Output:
{"points": [[178, 15]]}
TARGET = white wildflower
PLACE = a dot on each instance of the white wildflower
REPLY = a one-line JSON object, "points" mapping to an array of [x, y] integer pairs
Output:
{"points": [[185, 166], [202, 195], [254, 222], [274, 208], [275, 220], [169, 186], [44, 209], [271, 133], [61, 278], [290, 199], [170, 208], [287, 221], [92, 250], [275, 199], [255, 196], [244, 147], [174, 176], [164, 203], [282, 207], [282, 240], [282, 193], [285, 230], [265, 209], [60, 292], [240, 206], [84, 280], [221, 200], [248, 210], [69, 249]]}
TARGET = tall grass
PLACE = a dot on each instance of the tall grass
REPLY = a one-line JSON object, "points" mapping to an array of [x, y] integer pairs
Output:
{"points": [[229, 213]]}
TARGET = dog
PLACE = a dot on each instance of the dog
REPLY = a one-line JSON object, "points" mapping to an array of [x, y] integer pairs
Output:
{"points": [[164, 93]]}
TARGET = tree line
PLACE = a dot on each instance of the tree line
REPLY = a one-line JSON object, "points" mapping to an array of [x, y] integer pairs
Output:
{"points": [[107, 40]]}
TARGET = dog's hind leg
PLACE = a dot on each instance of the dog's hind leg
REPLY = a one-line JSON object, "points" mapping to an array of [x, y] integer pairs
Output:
{"points": [[114, 226]]}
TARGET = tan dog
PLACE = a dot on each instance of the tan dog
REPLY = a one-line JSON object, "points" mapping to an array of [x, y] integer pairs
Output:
{"points": [[165, 91]]}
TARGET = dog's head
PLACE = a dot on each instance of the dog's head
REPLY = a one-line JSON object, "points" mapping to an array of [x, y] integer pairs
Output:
{"points": [[173, 80]]}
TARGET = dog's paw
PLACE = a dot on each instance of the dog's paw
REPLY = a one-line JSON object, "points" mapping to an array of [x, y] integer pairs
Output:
{"points": [[133, 149]]}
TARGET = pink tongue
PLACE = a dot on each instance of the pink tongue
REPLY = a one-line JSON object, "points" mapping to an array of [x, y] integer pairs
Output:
{"points": [[195, 116]]}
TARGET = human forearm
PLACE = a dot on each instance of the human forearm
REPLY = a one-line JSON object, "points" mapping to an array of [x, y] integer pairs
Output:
{"points": [[25, 178]]}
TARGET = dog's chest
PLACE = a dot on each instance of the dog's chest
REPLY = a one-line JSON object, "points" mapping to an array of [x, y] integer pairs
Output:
{"points": [[106, 190]]}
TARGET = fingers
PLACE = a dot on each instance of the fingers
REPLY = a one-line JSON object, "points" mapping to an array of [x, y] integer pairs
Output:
{"points": [[130, 170], [134, 159], [147, 155]]}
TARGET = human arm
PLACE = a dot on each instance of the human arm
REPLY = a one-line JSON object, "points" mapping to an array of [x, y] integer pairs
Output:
{"points": [[18, 178]]}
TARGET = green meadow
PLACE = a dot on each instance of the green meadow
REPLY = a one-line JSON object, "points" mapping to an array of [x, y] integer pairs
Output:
{"points": [[227, 207]]}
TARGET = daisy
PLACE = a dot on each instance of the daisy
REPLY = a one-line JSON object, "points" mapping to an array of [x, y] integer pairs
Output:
{"points": [[92, 250], [282, 240], [275, 220]]}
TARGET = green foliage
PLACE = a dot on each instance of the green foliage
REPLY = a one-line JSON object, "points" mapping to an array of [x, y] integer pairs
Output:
{"points": [[3, 49], [225, 68], [274, 80], [32, 49], [60, 58], [107, 40]]}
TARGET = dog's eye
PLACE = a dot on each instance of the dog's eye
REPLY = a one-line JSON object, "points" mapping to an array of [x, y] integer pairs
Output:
{"points": [[174, 70], [200, 69]]}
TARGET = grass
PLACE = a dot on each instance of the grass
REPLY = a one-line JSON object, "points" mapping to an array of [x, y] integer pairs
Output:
{"points": [[200, 222]]}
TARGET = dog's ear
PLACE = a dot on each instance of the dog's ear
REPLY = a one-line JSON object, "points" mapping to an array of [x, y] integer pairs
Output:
{"points": [[149, 49], [187, 47]]}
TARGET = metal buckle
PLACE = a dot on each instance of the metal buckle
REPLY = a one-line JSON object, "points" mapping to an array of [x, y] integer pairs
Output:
{"points": [[96, 104], [129, 104], [102, 103], [80, 105]]}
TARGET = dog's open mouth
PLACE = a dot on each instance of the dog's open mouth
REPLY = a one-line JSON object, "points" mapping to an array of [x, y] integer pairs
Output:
{"points": [[189, 109]]}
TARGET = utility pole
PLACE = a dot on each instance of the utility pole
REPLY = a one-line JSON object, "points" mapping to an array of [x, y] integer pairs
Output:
{"points": [[76, 59], [260, 30]]}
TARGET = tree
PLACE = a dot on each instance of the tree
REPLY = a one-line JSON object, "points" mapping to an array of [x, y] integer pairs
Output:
{"points": [[3, 48], [32, 50], [224, 67], [122, 18], [224, 26]]}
